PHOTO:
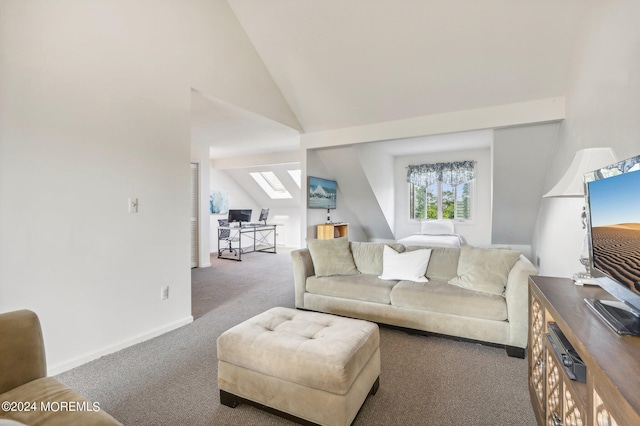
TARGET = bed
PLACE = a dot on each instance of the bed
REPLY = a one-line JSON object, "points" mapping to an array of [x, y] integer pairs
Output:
{"points": [[432, 240], [434, 233]]}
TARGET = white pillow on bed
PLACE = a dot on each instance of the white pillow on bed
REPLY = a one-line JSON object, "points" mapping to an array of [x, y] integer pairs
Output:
{"points": [[409, 266], [437, 227]]}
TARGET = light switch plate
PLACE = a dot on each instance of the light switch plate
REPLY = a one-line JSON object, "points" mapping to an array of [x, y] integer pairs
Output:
{"points": [[133, 205]]}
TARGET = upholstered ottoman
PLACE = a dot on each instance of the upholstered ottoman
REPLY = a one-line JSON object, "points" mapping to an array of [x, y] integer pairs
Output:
{"points": [[307, 366]]}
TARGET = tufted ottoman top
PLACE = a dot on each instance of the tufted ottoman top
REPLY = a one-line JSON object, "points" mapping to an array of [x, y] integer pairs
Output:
{"points": [[312, 349]]}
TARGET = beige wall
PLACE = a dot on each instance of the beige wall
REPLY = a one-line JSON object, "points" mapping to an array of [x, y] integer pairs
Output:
{"points": [[95, 101]]}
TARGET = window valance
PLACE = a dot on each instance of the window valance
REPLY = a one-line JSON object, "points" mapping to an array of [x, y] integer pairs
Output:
{"points": [[453, 173]]}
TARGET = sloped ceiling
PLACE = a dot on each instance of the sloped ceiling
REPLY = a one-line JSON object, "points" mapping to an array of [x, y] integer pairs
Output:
{"points": [[230, 131], [253, 190], [345, 63]]}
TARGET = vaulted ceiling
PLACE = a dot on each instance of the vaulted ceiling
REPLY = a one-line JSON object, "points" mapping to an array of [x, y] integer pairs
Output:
{"points": [[343, 63], [230, 131]]}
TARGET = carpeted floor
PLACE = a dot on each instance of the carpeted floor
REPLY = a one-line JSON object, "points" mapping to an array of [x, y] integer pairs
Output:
{"points": [[171, 380]]}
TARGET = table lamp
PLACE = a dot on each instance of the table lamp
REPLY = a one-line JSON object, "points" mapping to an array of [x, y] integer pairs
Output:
{"points": [[572, 186]]}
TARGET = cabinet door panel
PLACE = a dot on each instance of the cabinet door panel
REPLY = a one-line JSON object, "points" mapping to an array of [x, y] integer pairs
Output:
{"points": [[554, 391], [574, 414], [537, 377], [601, 414]]}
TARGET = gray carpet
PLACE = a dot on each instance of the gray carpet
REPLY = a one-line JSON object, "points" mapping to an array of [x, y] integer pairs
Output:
{"points": [[171, 380]]}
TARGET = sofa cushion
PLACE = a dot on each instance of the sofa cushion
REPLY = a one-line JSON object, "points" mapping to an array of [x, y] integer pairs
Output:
{"points": [[443, 264], [368, 256], [439, 296], [484, 269], [331, 257], [365, 287], [405, 266]]}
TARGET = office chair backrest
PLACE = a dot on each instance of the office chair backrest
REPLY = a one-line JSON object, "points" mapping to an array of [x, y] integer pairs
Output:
{"points": [[224, 233]]}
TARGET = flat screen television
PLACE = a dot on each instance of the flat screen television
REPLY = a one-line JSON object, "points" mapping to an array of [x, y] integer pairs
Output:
{"points": [[240, 215], [613, 213], [322, 193]]}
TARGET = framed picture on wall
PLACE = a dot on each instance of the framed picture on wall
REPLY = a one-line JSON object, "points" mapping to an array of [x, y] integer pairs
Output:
{"points": [[322, 193], [218, 202]]}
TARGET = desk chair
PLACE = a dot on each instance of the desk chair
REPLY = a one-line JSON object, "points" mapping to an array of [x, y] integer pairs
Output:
{"points": [[225, 235]]}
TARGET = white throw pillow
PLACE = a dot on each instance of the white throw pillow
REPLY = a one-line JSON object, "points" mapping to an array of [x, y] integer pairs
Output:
{"points": [[437, 227], [410, 266]]}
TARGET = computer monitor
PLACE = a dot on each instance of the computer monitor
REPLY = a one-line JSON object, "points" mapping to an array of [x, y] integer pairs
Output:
{"points": [[264, 214], [243, 215]]}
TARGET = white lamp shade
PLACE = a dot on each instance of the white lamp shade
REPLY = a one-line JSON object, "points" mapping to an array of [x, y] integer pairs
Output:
{"points": [[586, 160]]}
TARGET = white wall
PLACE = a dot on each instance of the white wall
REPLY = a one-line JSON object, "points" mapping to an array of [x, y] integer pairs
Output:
{"points": [[523, 113], [283, 212], [520, 159], [238, 199], [603, 106], [538, 111], [478, 230], [95, 100], [287, 217], [316, 167], [358, 205], [377, 165]]}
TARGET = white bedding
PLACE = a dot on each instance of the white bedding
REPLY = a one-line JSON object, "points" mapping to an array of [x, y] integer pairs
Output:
{"points": [[447, 240]]}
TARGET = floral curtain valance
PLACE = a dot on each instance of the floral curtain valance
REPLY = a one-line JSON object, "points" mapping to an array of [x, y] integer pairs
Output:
{"points": [[453, 173]]}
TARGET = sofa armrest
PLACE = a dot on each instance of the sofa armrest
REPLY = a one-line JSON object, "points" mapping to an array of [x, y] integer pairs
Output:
{"points": [[302, 268], [517, 297], [22, 357]]}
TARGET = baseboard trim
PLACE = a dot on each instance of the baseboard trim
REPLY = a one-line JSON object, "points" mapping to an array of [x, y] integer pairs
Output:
{"points": [[76, 362]]}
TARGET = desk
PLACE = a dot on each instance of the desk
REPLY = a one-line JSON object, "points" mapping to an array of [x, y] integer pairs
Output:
{"points": [[258, 235]]}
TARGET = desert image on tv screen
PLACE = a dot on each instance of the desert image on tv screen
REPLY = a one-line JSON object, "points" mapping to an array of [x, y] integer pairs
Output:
{"points": [[615, 222]]}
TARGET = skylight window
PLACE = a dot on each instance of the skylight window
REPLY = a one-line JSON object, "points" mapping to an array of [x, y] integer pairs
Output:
{"points": [[270, 183], [296, 176]]}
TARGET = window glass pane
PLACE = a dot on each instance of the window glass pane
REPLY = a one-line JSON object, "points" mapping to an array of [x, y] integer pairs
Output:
{"points": [[270, 183], [296, 176], [463, 201], [432, 201], [273, 181], [448, 201], [417, 202], [440, 201]]}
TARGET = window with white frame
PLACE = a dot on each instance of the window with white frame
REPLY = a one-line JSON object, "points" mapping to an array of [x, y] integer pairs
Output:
{"points": [[441, 190], [296, 175], [270, 183]]}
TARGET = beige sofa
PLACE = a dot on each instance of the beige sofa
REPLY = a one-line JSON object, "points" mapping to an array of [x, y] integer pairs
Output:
{"points": [[471, 293], [28, 396]]}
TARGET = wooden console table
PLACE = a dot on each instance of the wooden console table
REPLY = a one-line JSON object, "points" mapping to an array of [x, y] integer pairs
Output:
{"points": [[611, 394], [328, 231]]}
